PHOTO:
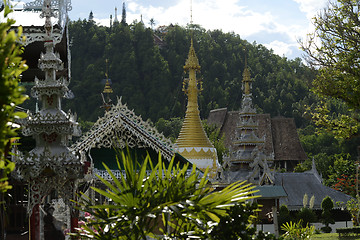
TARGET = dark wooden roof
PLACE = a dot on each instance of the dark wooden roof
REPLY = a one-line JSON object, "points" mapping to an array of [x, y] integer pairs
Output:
{"points": [[287, 145], [281, 137]]}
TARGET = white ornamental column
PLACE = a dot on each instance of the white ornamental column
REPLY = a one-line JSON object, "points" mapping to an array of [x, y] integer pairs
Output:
{"points": [[50, 165]]}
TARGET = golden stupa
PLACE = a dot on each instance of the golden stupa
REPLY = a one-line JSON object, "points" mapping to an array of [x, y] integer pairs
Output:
{"points": [[192, 143]]}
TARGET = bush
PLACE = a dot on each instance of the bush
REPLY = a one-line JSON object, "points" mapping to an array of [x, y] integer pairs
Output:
{"points": [[284, 216], [326, 229], [235, 225], [296, 231], [326, 217], [348, 231], [306, 216]]}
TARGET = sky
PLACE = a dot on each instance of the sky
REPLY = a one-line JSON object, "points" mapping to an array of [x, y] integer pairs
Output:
{"points": [[277, 24]]}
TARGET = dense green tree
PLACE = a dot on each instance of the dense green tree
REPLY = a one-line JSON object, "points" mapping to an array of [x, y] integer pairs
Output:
{"points": [[333, 49], [324, 148], [170, 128], [342, 175]]}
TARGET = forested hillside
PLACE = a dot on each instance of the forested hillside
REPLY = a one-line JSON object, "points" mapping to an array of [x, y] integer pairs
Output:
{"points": [[149, 78]]}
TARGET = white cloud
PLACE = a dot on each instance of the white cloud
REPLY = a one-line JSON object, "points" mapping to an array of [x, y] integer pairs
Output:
{"points": [[28, 18], [311, 7], [281, 48], [227, 15]]}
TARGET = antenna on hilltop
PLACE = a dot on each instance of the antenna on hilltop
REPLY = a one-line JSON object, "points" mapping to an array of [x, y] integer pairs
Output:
{"points": [[191, 19]]}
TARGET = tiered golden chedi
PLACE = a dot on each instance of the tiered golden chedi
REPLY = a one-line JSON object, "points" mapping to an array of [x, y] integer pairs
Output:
{"points": [[192, 143]]}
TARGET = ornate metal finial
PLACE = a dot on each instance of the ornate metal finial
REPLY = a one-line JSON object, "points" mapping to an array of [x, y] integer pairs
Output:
{"points": [[246, 79], [107, 90], [192, 61]]}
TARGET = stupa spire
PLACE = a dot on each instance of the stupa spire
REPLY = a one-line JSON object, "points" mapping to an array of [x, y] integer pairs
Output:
{"points": [[116, 18], [192, 143]]}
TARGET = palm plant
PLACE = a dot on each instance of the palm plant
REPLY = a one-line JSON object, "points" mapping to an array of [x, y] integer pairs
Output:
{"points": [[170, 201], [296, 231]]}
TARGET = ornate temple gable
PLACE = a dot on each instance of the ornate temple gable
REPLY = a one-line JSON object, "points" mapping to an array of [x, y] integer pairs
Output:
{"points": [[121, 127]]}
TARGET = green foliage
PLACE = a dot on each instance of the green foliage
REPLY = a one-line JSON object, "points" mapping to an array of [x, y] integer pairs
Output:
{"points": [[342, 123], [168, 200], [336, 57], [237, 224], [85, 125], [342, 175], [325, 149], [353, 206], [327, 205], [283, 216], [307, 216], [11, 66], [170, 128], [348, 232], [218, 141], [296, 231]]}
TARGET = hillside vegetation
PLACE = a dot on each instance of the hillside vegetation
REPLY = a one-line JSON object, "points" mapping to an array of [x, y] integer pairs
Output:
{"points": [[149, 78]]}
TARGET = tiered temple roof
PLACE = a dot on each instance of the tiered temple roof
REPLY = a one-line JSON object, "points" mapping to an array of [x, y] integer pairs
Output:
{"points": [[246, 160]]}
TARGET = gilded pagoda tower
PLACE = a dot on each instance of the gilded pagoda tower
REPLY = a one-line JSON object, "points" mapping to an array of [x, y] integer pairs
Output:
{"points": [[192, 143], [248, 162]]}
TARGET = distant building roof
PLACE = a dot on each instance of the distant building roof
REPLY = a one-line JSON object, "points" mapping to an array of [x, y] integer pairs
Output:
{"points": [[296, 185], [270, 191], [159, 41]]}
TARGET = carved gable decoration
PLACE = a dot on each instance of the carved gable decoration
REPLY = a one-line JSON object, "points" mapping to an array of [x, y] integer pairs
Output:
{"points": [[121, 127]]}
